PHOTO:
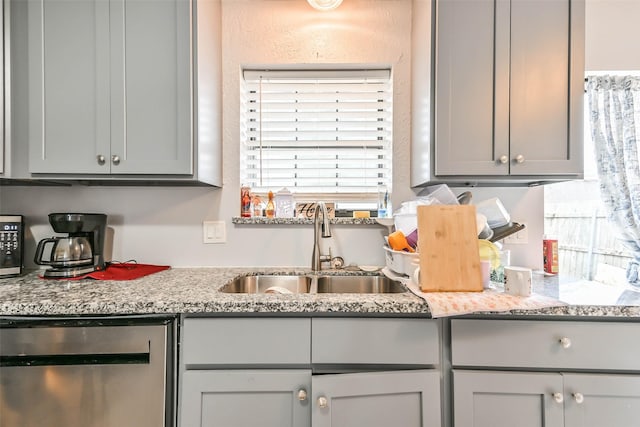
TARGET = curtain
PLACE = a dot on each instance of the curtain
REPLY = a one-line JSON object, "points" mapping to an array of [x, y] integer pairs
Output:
{"points": [[614, 103]]}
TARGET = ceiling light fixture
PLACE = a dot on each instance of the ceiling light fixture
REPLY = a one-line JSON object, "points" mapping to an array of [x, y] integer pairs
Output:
{"points": [[325, 4]]}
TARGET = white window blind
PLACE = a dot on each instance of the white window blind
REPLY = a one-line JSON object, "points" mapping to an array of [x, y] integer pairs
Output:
{"points": [[317, 131]]}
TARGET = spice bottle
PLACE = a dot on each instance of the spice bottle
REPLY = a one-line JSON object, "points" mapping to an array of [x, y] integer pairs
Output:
{"points": [[245, 202], [257, 204], [270, 211]]}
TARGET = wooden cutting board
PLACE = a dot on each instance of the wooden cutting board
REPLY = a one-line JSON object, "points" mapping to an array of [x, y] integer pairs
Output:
{"points": [[448, 248]]}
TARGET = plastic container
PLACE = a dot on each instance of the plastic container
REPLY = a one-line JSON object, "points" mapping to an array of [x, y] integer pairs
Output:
{"points": [[406, 222], [441, 193], [494, 210], [401, 262], [285, 206]]}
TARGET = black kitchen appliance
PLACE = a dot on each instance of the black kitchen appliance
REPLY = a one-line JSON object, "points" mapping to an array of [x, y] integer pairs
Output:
{"points": [[11, 245], [79, 253]]}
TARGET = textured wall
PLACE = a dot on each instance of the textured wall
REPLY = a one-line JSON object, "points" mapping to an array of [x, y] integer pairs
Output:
{"points": [[164, 225]]}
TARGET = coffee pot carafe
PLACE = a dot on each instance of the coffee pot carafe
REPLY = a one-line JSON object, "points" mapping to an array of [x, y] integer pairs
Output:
{"points": [[65, 252], [79, 253]]}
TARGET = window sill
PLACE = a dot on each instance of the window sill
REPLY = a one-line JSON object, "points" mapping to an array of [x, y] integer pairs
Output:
{"points": [[307, 221]]}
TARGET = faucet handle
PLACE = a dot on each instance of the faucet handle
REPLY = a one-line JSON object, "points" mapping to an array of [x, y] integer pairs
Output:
{"points": [[337, 262]]}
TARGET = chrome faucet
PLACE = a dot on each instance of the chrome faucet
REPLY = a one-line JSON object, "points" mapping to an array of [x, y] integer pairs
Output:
{"points": [[316, 258]]}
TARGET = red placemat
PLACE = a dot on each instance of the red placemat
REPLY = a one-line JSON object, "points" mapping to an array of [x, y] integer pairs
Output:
{"points": [[118, 271], [126, 271]]}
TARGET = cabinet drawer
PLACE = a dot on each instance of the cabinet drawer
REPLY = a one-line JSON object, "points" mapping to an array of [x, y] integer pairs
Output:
{"points": [[545, 344], [246, 341], [375, 341]]}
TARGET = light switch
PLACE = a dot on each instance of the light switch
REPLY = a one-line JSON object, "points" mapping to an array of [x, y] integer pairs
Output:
{"points": [[214, 232]]}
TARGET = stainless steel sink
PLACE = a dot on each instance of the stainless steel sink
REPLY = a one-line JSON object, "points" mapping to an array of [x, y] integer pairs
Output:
{"points": [[359, 285], [268, 283], [323, 284]]}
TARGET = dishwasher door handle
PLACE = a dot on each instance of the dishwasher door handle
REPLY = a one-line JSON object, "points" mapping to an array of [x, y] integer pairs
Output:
{"points": [[27, 360]]}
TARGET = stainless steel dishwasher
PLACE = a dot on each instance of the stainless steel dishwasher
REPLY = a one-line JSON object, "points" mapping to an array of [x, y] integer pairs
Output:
{"points": [[87, 372]]}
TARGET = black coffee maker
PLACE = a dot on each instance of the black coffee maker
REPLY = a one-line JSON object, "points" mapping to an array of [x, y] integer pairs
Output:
{"points": [[79, 253]]}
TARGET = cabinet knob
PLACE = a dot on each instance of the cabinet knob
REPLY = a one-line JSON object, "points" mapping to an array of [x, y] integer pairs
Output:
{"points": [[101, 160], [503, 159], [565, 342], [558, 397], [323, 402], [302, 395], [519, 158], [578, 397], [115, 159]]}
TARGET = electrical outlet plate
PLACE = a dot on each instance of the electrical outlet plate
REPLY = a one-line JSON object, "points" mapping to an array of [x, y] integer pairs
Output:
{"points": [[519, 238], [214, 232]]}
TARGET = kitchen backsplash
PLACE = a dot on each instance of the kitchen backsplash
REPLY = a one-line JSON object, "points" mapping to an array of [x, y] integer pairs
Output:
{"points": [[164, 226]]}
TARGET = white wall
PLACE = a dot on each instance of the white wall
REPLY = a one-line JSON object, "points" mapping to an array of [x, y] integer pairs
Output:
{"points": [[164, 225], [612, 34]]}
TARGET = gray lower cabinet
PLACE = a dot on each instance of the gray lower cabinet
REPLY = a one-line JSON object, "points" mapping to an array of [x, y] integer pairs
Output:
{"points": [[506, 399], [601, 400], [377, 399], [237, 398], [296, 398], [587, 374], [534, 399], [509, 83], [315, 372]]}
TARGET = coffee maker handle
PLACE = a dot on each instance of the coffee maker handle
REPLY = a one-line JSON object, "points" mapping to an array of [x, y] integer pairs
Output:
{"points": [[40, 249]]}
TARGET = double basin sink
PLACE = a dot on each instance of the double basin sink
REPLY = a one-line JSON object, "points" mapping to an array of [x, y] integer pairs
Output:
{"points": [[313, 284]]}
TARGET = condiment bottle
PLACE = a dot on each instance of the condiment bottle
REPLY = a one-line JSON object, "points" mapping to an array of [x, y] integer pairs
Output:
{"points": [[270, 211], [256, 202]]}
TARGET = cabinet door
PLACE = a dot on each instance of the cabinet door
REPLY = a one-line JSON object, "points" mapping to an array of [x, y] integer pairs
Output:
{"points": [[267, 398], [151, 87], [602, 400], [472, 93], [68, 86], [507, 399], [547, 85], [377, 399]]}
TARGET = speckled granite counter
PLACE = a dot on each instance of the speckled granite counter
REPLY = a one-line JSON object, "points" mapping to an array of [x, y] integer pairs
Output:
{"points": [[196, 290]]}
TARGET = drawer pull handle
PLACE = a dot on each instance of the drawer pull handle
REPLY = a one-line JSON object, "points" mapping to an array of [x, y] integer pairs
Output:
{"points": [[101, 160], [302, 395], [578, 397], [565, 342], [558, 397], [503, 159], [519, 158], [323, 402]]}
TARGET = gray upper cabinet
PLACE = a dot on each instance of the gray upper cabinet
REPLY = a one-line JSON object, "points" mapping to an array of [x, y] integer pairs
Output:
{"points": [[109, 87], [508, 89], [3, 99], [116, 90]]}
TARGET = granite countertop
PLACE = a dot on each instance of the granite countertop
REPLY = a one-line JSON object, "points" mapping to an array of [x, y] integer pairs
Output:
{"points": [[197, 290]]}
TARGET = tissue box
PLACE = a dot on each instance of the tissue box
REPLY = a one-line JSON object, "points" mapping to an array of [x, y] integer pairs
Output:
{"points": [[401, 262]]}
